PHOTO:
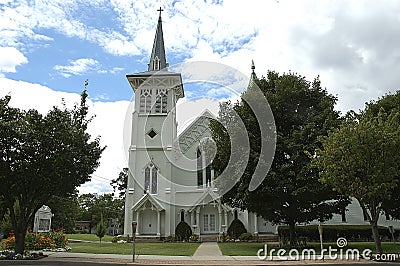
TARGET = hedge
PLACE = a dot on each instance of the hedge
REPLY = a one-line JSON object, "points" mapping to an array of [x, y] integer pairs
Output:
{"points": [[236, 229], [333, 232]]}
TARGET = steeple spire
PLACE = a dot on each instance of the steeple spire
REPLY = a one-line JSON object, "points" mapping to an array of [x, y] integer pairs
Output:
{"points": [[158, 60], [253, 75]]}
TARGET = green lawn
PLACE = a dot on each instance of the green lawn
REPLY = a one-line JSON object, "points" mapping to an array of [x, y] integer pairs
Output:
{"points": [[168, 249], [88, 237], [250, 249]]}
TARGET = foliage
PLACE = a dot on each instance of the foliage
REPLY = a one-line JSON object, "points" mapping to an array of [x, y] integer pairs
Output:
{"points": [[38, 241], [183, 231], [194, 238], [246, 237], [93, 206], [332, 232], [236, 228], [120, 239], [291, 192], [362, 160], [170, 238], [64, 211], [42, 156], [5, 225], [101, 229], [121, 183]]}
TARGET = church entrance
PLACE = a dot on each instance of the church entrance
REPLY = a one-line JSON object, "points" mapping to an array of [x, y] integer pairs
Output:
{"points": [[209, 226], [149, 222]]}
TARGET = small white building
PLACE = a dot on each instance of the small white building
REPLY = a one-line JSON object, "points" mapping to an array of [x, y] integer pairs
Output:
{"points": [[42, 221]]}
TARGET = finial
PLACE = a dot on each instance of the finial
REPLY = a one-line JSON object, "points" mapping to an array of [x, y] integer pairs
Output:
{"points": [[252, 65], [160, 10]]}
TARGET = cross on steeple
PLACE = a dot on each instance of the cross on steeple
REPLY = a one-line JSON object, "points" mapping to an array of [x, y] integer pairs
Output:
{"points": [[160, 10]]}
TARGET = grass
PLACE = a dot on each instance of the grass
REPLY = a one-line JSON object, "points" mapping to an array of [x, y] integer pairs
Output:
{"points": [[89, 237], [250, 248], [167, 249]]}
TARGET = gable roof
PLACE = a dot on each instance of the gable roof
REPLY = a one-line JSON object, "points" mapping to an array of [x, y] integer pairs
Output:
{"points": [[148, 198], [214, 198], [193, 133]]}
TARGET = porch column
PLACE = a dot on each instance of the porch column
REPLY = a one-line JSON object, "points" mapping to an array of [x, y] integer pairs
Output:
{"points": [[255, 224], [191, 219], [219, 218], [137, 221], [159, 223], [226, 220], [198, 218]]}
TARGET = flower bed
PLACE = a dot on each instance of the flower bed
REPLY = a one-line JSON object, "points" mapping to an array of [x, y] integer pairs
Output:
{"points": [[52, 241]]}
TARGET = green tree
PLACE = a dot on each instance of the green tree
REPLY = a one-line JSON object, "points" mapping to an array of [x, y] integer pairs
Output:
{"points": [[101, 228], [362, 160], [92, 207], [42, 156], [290, 193], [64, 211], [121, 183]]}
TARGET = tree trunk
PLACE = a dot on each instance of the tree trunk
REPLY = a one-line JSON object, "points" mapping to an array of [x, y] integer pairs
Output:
{"points": [[20, 242], [377, 239], [292, 234]]}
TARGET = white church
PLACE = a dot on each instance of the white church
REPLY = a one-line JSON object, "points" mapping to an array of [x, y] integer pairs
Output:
{"points": [[169, 179]]}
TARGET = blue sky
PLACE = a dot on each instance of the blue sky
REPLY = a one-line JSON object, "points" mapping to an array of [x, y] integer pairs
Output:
{"points": [[49, 48]]}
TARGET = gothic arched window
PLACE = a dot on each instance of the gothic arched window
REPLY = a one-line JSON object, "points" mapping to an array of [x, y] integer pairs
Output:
{"points": [[145, 101], [151, 178], [161, 101], [156, 63], [199, 168]]}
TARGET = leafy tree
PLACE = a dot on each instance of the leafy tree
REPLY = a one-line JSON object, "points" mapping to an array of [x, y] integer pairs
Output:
{"points": [[362, 160], [121, 183], [64, 211], [42, 156], [92, 207], [101, 229], [290, 193]]}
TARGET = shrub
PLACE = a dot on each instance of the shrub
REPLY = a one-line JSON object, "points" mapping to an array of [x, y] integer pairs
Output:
{"points": [[194, 238], [236, 228], [245, 237], [169, 238], [183, 231], [38, 241]]}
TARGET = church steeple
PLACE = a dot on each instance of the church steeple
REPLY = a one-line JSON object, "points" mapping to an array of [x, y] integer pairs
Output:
{"points": [[253, 76], [158, 60]]}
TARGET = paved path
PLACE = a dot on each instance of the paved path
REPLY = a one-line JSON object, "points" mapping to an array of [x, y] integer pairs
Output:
{"points": [[85, 259], [210, 249]]}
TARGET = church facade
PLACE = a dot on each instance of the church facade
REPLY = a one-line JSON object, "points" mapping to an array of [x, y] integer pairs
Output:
{"points": [[170, 179]]}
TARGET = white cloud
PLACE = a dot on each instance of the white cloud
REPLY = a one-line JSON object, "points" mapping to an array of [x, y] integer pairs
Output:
{"points": [[10, 58], [78, 67]]}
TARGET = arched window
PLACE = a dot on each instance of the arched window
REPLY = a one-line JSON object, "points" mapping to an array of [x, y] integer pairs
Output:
{"points": [[182, 215], [151, 178], [145, 101], [156, 63], [161, 101], [208, 176], [199, 169]]}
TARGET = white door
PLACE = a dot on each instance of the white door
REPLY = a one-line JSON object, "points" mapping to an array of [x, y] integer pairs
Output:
{"points": [[209, 223]]}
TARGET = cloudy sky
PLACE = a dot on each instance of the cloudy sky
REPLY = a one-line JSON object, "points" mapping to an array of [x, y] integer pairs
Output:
{"points": [[48, 48]]}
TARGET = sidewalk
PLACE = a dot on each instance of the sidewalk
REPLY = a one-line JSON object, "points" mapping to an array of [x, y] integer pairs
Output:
{"points": [[67, 258]]}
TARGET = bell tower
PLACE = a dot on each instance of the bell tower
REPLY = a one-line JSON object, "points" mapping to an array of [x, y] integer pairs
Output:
{"points": [[154, 130]]}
